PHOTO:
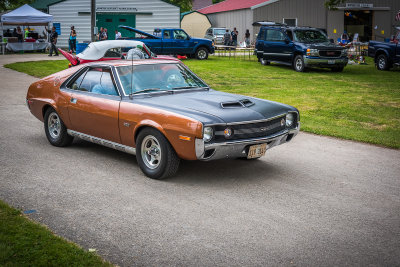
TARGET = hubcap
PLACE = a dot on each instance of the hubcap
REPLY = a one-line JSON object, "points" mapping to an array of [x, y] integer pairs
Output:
{"points": [[299, 64], [151, 152], [202, 54], [54, 125], [381, 63]]}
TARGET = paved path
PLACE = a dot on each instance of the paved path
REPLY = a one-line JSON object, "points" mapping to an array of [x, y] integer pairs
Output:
{"points": [[313, 202]]}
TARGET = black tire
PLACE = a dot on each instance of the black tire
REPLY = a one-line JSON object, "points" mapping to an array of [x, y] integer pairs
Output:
{"points": [[298, 64], [159, 161], [55, 129], [382, 62], [337, 69], [264, 62], [201, 53]]}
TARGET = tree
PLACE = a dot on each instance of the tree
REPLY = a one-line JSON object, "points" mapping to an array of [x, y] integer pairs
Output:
{"points": [[185, 5], [217, 1], [13, 4], [332, 4]]}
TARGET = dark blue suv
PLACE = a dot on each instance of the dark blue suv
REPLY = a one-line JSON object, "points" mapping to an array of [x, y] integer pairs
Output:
{"points": [[300, 47]]}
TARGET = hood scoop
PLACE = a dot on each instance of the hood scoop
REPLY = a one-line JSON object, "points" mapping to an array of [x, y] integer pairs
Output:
{"points": [[237, 104]]}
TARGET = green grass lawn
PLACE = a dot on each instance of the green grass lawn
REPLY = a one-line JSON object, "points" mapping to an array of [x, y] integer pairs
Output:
{"points": [[26, 243], [361, 103]]}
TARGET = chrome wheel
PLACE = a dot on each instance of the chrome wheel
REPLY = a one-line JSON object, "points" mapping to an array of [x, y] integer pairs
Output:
{"points": [[151, 152], [299, 64], [382, 62], [201, 53], [54, 125]]}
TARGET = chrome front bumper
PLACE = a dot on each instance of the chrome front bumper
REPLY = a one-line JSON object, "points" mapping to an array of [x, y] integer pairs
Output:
{"points": [[239, 148], [324, 62]]}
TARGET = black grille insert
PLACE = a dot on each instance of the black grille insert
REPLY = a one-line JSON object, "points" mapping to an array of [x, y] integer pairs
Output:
{"points": [[330, 53]]}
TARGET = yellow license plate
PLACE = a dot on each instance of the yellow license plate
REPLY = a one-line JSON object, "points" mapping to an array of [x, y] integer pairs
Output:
{"points": [[257, 151]]}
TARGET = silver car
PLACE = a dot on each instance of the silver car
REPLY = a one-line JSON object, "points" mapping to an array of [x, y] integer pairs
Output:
{"points": [[216, 35]]}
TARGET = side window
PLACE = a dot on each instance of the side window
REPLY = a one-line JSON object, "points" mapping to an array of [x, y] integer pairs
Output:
{"points": [[275, 36], [113, 53], [289, 34], [180, 35], [92, 78], [261, 34], [106, 85], [167, 35], [74, 85]]}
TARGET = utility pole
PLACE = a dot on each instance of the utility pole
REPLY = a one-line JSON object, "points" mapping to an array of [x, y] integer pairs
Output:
{"points": [[93, 18]]}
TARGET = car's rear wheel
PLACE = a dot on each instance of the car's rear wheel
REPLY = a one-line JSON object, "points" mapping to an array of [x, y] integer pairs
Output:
{"points": [[264, 61], [298, 63], [382, 62], [155, 155], [55, 129], [202, 53]]}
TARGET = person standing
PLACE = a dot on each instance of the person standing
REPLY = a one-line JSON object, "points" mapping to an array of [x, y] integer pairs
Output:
{"points": [[99, 34], [227, 38], [53, 41], [72, 40], [20, 35], [234, 35], [247, 38], [105, 34], [117, 35]]}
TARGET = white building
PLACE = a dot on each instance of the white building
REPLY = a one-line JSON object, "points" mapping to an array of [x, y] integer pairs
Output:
{"points": [[144, 15]]}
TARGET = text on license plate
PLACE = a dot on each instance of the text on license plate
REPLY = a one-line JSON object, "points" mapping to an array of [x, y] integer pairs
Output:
{"points": [[331, 61], [257, 151]]}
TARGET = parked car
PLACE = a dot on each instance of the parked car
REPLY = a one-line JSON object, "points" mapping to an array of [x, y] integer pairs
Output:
{"points": [[216, 35], [386, 55], [173, 42], [110, 50], [158, 110], [299, 47]]}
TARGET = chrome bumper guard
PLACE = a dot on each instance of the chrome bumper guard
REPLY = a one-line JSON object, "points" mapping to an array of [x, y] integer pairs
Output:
{"points": [[239, 148], [342, 61]]}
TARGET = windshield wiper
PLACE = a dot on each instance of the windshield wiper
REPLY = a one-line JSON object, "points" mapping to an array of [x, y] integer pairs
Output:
{"points": [[149, 89]]}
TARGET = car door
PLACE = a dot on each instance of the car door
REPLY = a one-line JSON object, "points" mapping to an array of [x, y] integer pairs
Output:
{"points": [[260, 43], [94, 104], [182, 42], [278, 49]]}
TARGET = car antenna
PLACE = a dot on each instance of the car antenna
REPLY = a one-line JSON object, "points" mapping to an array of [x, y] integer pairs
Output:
{"points": [[131, 94]]}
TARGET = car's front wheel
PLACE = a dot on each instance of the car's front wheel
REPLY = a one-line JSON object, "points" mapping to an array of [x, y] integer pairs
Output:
{"points": [[55, 129], [202, 53], [298, 63], [155, 155], [382, 62]]}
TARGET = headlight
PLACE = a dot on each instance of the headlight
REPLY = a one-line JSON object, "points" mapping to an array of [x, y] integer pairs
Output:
{"points": [[344, 52], [312, 52], [289, 120], [208, 134]]}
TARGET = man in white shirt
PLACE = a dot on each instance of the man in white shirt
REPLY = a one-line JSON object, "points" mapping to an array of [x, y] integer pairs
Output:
{"points": [[117, 35]]}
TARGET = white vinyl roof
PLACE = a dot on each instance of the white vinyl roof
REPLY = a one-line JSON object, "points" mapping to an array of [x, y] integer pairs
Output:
{"points": [[26, 15], [97, 50]]}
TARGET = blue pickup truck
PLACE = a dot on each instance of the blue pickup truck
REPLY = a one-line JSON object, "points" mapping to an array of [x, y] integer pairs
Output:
{"points": [[386, 55], [173, 42]]}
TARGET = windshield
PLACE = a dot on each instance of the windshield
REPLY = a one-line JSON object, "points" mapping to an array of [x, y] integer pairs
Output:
{"points": [[157, 77], [310, 36], [219, 31]]}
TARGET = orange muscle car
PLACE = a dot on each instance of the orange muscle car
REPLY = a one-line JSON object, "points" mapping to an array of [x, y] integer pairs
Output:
{"points": [[158, 110]]}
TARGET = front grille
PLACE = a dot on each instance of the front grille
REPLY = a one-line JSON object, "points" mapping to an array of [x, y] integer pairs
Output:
{"points": [[251, 130], [330, 53]]}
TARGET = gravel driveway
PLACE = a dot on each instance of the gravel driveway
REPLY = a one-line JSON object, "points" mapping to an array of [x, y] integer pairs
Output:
{"points": [[312, 202]]}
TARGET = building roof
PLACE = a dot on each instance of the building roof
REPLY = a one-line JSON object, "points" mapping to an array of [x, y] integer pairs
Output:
{"points": [[191, 12], [229, 5]]}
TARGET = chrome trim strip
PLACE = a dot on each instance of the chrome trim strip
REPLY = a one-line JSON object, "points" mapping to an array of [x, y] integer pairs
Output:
{"points": [[102, 142], [247, 122], [278, 54]]}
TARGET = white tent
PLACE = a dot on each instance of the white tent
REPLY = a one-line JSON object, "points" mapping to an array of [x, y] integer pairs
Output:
{"points": [[26, 15]]}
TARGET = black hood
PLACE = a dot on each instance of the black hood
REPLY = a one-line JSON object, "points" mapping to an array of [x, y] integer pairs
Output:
{"points": [[211, 106]]}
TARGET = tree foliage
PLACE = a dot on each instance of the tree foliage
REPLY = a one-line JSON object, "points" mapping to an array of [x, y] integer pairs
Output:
{"points": [[185, 5], [217, 1], [332, 4], [6, 5]]}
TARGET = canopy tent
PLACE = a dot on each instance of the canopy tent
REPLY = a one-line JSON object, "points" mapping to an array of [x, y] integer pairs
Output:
{"points": [[26, 15]]}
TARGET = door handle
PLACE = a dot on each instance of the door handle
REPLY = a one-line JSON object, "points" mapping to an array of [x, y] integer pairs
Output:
{"points": [[73, 100]]}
